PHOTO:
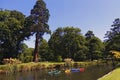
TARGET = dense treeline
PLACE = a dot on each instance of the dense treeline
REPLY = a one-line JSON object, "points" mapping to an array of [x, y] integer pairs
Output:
{"points": [[69, 42], [66, 42]]}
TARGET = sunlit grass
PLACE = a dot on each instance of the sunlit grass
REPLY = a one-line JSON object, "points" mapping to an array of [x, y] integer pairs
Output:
{"points": [[114, 75]]}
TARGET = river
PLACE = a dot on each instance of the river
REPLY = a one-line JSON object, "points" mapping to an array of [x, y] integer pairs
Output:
{"points": [[90, 73]]}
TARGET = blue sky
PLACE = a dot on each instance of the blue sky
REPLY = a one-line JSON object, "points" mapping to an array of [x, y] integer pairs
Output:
{"points": [[95, 15]]}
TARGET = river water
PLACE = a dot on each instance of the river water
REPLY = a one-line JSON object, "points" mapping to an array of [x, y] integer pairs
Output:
{"points": [[90, 73]]}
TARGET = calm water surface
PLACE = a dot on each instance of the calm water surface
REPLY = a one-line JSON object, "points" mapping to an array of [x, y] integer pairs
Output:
{"points": [[90, 73]]}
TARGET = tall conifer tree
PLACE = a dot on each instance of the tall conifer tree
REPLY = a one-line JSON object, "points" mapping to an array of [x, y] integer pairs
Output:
{"points": [[39, 17]]}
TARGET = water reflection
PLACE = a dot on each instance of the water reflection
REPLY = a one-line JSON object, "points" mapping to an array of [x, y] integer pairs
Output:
{"points": [[90, 73]]}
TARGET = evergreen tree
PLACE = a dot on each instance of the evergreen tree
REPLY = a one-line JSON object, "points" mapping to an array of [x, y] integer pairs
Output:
{"points": [[114, 31], [113, 37], [39, 18]]}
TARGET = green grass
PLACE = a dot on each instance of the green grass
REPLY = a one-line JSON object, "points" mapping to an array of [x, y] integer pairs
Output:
{"points": [[114, 75]]}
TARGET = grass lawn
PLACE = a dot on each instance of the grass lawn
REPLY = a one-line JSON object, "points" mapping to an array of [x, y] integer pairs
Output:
{"points": [[114, 75]]}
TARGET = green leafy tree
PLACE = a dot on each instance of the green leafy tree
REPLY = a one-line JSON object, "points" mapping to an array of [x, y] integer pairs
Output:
{"points": [[95, 46], [26, 53], [45, 52], [39, 18], [68, 42], [55, 43], [11, 32], [74, 43]]}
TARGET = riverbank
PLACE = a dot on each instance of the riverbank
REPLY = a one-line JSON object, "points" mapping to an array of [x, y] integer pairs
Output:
{"points": [[22, 67], [113, 75]]}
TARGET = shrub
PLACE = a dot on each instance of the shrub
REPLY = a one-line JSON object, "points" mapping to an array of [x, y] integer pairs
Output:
{"points": [[68, 62], [11, 61]]}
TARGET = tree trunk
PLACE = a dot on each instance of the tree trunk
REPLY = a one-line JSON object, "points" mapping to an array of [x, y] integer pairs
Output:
{"points": [[35, 55]]}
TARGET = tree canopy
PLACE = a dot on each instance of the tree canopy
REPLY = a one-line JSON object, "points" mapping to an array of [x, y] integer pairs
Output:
{"points": [[12, 32], [113, 37], [68, 42], [39, 17]]}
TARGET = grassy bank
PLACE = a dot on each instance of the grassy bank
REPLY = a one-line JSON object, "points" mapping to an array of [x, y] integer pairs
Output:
{"points": [[12, 68], [113, 75], [22, 67]]}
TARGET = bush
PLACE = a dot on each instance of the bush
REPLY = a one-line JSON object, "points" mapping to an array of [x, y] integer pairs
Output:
{"points": [[68, 62], [59, 58], [11, 61]]}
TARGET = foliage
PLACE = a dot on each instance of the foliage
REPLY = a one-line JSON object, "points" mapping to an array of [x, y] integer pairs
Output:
{"points": [[113, 37], [115, 30], [116, 54], [95, 46], [45, 52], [11, 61], [54, 43], [59, 58], [11, 32], [26, 55], [39, 17], [68, 42], [89, 34]]}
